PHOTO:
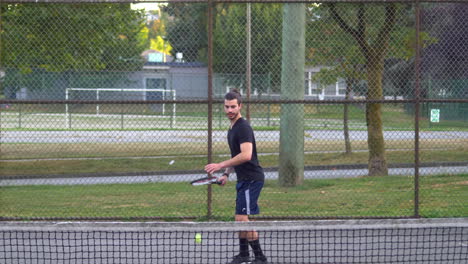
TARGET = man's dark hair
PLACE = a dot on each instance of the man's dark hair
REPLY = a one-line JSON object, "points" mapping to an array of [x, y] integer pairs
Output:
{"points": [[234, 94]]}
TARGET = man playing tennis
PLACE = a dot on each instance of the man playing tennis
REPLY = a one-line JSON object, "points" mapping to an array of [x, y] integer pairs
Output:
{"points": [[250, 176]]}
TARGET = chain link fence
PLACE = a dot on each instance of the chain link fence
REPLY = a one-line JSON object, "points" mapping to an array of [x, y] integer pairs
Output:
{"points": [[109, 109]]}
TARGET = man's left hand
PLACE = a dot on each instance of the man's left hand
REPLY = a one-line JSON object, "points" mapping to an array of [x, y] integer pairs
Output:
{"points": [[212, 168]]}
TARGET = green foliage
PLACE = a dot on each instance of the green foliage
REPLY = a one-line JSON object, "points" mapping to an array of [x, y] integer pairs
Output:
{"points": [[230, 36], [187, 31], [330, 45], [353, 41], [71, 37]]}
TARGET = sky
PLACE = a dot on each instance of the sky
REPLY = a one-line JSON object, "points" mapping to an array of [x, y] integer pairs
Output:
{"points": [[147, 6]]}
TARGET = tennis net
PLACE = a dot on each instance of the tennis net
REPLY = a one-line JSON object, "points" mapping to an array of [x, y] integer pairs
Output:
{"points": [[320, 241]]}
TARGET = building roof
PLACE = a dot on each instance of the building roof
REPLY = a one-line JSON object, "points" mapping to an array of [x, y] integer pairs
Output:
{"points": [[173, 64]]}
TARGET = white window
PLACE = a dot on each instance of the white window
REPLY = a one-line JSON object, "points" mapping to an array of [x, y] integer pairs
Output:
{"points": [[341, 87], [312, 88], [306, 83]]}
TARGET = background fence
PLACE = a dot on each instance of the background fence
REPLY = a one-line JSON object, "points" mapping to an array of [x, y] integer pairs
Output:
{"points": [[359, 109]]}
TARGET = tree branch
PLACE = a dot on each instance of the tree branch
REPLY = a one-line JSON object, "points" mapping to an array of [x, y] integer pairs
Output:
{"points": [[361, 21], [359, 34], [341, 22], [384, 34]]}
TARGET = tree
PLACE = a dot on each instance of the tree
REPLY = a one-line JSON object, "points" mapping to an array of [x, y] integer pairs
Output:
{"points": [[187, 30], [374, 52], [329, 46], [63, 37], [362, 43], [356, 41], [230, 39], [70, 37], [157, 34], [448, 57]]}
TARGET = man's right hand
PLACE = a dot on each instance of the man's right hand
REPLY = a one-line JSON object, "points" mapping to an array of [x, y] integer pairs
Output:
{"points": [[223, 180]]}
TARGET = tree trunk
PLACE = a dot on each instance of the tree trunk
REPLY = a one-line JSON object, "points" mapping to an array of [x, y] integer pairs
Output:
{"points": [[291, 157], [375, 140], [349, 84]]}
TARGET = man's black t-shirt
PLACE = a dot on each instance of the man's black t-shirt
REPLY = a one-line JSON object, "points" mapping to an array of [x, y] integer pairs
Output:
{"points": [[240, 133]]}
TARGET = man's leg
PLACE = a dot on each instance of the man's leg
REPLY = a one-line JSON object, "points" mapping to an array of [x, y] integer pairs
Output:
{"points": [[253, 240], [243, 255], [246, 203], [254, 190]]}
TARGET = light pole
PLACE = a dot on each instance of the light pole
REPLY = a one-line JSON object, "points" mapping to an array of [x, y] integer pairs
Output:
{"points": [[248, 73]]}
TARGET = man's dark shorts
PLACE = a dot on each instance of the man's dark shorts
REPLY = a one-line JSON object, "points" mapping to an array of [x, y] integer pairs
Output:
{"points": [[247, 197]]}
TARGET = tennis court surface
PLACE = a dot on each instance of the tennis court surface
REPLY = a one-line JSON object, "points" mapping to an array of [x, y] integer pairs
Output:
{"points": [[319, 241]]}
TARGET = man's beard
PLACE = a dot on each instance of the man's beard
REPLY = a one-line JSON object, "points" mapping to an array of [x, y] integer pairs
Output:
{"points": [[232, 116]]}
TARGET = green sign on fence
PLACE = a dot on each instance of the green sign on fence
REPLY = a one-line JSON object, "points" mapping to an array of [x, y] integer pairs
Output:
{"points": [[435, 115]]}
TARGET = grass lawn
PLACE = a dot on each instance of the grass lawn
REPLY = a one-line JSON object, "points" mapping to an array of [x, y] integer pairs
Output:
{"points": [[440, 196], [195, 158], [194, 116]]}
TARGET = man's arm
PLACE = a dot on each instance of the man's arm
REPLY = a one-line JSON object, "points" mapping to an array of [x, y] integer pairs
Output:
{"points": [[244, 156], [228, 171], [223, 179]]}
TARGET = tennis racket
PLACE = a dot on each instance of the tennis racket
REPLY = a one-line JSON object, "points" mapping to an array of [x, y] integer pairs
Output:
{"points": [[205, 180]]}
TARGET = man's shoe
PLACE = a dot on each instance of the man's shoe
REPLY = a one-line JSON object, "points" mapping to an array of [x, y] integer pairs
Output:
{"points": [[239, 259], [260, 260]]}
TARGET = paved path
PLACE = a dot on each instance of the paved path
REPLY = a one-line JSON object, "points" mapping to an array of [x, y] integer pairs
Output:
{"points": [[201, 136], [310, 174]]}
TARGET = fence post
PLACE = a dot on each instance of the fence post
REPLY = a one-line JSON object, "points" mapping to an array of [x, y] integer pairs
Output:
{"points": [[248, 73], [20, 115], [122, 118], [416, 108], [210, 100]]}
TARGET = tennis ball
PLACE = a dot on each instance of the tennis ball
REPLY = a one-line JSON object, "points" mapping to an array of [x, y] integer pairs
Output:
{"points": [[198, 238]]}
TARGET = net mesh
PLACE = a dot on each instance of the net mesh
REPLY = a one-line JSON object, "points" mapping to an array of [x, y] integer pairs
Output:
{"points": [[321, 241]]}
